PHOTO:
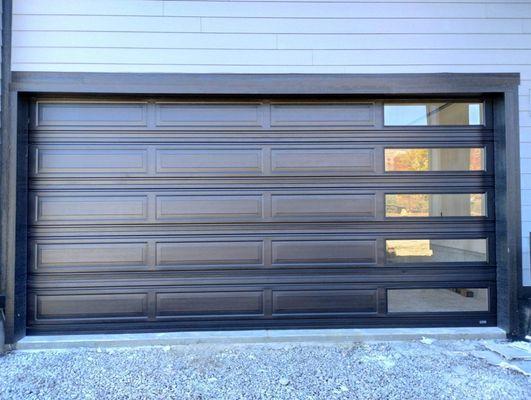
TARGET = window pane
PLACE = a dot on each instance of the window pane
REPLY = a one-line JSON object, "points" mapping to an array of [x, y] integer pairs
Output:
{"points": [[435, 159], [433, 113], [435, 205], [437, 300], [435, 250]]}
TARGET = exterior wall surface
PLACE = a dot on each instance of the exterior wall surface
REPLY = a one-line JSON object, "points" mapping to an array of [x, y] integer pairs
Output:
{"points": [[276, 36]]}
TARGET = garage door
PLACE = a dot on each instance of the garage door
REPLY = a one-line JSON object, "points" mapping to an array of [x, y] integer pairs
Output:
{"points": [[157, 214]]}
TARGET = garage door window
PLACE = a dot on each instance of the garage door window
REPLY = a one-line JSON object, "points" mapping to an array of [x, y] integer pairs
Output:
{"points": [[435, 250], [437, 300], [435, 159], [435, 205], [433, 114]]}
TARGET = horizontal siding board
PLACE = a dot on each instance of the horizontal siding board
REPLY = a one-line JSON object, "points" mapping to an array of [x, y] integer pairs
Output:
{"points": [[525, 181], [162, 68], [322, 10], [508, 10], [438, 57], [404, 41], [526, 197], [163, 56], [269, 57], [104, 23], [145, 40], [233, 68], [360, 25], [89, 7], [526, 213], [525, 118], [525, 151], [267, 41]]}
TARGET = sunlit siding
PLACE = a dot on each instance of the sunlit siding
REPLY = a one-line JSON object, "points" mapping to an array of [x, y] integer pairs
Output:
{"points": [[284, 37]]}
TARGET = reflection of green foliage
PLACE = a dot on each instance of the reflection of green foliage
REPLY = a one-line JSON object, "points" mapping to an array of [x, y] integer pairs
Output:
{"points": [[412, 160]]}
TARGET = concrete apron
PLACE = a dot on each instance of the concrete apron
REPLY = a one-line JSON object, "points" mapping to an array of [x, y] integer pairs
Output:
{"points": [[316, 336]]}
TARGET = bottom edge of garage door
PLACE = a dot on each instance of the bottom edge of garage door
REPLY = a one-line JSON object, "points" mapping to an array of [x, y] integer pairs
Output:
{"points": [[299, 323]]}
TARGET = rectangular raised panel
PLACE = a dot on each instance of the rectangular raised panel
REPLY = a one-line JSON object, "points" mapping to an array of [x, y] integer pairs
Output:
{"points": [[91, 306], [209, 253], [91, 114], [324, 301], [322, 114], [208, 115], [90, 208], [322, 161], [323, 205], [210, 161], [210, 207], [323, 251], [210, 303], [77, 257], [86, 161]]}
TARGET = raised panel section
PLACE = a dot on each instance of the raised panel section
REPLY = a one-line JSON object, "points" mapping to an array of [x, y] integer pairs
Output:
{"points": [[323, 251], [80, 257], [86, 114], [209, 207], [90, 306], [208, 115], [334, 115], [339, 301], [321, 161], [210, 253], [88, 161], [209, 161], [89, 209], [210, 303], [323, 206]]}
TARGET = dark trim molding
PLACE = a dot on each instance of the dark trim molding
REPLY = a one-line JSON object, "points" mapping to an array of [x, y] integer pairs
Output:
{"points": [[263, 84], [4, 121], [502, 88]]}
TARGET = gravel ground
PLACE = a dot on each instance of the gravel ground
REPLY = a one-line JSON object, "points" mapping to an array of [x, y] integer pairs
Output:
{"points": [[391, 370]]}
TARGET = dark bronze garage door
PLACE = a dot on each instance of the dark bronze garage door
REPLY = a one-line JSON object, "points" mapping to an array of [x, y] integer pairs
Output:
{"points": [[155, 214]]}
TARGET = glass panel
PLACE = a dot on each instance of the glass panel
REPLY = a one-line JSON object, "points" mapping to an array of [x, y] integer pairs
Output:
{"points": [[435, 159], [437, 300], [435, 205], [433, 113], [435, 250]]}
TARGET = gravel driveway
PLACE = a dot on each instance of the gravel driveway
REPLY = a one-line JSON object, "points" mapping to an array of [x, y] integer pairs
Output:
{"points": [[391, 370]]}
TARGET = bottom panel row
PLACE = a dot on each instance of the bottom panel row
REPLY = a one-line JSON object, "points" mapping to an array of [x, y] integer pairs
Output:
{"points": [[249, 303]]}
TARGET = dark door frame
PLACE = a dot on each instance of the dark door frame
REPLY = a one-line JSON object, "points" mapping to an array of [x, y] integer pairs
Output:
{"points": [[502, 88]]}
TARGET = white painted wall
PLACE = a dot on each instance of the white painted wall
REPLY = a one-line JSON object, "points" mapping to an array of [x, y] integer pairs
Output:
{"points": [[278, 36]]}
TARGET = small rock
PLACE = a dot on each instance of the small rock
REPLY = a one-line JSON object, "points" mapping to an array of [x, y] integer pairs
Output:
{"points": [[212, 379], [426, 340], [284, 381]]}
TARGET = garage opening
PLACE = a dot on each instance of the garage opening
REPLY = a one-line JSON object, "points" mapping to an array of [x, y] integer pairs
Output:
{"points": [[164, 213]]}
